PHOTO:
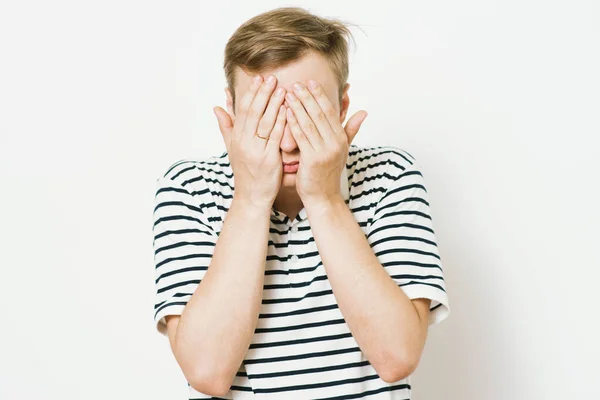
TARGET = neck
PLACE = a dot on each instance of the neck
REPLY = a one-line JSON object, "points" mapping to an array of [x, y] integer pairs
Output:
{"points": [[288, 202]]}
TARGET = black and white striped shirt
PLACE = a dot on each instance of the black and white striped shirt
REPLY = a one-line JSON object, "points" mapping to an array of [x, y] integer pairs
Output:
{"points": [[302, 348]]}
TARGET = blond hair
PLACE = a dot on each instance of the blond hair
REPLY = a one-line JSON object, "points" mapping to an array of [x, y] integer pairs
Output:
{"points": [[280, 36]]}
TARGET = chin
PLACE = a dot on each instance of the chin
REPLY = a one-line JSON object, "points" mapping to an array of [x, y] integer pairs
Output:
{"points": [[289, 180]]}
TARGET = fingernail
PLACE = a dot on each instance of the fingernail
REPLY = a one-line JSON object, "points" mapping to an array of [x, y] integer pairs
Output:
{"points": [[289, 97], [257, 79], [298, 86], [279, 91], [312, 84], [270, 79]]}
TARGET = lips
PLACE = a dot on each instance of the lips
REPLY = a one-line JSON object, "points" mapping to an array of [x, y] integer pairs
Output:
{"points": [[290, 163], [291, 168]]}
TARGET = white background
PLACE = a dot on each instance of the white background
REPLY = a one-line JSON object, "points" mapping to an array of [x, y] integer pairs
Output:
{"points": [[498, 101]]}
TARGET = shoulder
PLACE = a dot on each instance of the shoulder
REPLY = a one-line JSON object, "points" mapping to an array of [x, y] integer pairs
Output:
{"points": [[381, 162], [193, 174]]}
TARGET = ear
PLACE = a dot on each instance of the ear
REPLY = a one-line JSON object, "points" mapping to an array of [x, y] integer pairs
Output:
{"points": [[229, 103], [345, 103]]}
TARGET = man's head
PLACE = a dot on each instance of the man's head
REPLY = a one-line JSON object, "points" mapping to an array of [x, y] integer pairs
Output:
{"points": [[294, 45]]}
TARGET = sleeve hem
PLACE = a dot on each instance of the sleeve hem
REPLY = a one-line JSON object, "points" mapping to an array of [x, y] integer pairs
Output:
{"points": [[160, 321], [439, 301]]}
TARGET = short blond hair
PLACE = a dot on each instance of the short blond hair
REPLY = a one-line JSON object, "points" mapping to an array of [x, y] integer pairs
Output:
{"points": [[280, 36]]}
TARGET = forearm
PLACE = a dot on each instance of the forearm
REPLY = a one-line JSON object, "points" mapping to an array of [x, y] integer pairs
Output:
{"points": [[380, 316], [217, 324]]}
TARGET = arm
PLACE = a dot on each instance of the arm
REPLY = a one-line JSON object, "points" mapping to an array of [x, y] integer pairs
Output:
{"points": [[212, 335], [215, 329], [389, 328]]}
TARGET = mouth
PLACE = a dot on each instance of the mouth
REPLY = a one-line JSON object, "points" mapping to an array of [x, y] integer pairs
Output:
{"points": [[291, 167]]}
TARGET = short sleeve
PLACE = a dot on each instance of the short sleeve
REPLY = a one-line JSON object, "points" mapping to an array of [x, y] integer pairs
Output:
{"points": [[183, 243], [402, 237]]}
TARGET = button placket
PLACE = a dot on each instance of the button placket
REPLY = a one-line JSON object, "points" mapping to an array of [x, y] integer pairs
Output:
{"points": [[292, 258], [293, 229]]}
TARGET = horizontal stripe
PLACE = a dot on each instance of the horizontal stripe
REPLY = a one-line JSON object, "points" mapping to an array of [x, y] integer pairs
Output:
{"points": [[302, 346]]}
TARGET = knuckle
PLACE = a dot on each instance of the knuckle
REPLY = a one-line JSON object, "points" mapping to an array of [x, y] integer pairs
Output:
{"points": [[330, 111], [243, 108], [303, 95], [253, 112], [321, 116], [311, 128], [255, 84]]}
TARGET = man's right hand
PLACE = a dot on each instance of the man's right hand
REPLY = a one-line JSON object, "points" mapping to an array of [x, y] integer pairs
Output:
{"points": [[256, 162]]}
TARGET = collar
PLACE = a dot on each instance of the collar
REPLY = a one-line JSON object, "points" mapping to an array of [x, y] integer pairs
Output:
{"points": [[278, 216]]}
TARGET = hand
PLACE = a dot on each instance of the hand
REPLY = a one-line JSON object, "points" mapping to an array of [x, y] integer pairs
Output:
{"points": [[256, 163], [322, 140]]}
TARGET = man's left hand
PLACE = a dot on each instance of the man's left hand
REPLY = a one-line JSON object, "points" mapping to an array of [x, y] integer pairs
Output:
{"points": [[323, 142]]}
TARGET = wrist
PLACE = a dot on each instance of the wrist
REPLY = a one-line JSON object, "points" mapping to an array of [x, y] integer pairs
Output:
{"points": [[250, 207], [324, 204]]}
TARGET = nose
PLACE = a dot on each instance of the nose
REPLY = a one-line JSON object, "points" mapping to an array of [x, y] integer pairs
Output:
{"points": [[288, 143]]}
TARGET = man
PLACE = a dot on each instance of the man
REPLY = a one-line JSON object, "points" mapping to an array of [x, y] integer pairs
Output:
{"points": [[295, 265]]}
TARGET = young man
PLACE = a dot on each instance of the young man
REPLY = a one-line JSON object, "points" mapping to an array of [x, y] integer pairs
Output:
{"points": [[295, 265]]}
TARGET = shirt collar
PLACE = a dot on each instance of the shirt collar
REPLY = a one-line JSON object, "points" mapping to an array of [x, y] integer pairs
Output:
{"points": [[302, 215]]}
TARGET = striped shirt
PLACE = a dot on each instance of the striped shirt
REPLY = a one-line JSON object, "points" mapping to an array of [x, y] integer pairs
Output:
{"points": [[302, 347]]}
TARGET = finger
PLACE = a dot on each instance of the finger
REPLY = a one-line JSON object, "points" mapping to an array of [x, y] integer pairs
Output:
{"points": [[258, 105], [249, 96], [224, 120], [314, 111], [354, 124], [229, 103], [277, 133], [304, 122], [297, 132], [265, 126], [326, 106]]}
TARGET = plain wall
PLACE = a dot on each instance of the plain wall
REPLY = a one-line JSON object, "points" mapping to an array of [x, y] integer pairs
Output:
{"points": [[498, 100]]}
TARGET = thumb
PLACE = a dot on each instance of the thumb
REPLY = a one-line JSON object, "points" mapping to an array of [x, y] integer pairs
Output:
{"points": [[354, 123], [225, 122]]}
